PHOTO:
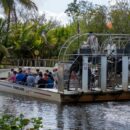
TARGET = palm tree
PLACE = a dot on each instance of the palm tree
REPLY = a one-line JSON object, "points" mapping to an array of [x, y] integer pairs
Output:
{"points": [[9, 7], [3, 49]]}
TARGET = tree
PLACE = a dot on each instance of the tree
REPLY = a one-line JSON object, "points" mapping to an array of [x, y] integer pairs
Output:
{"points": [[3, 49], [9, 7], [33, 34], [73, 9], [89, 16], [96, 19], [120, 17]]}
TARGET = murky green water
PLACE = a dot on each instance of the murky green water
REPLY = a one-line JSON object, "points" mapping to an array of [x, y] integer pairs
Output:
{"points": [[98, 116]]}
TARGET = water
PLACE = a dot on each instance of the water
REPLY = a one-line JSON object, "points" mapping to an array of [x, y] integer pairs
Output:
{"points": [[94, 116]]}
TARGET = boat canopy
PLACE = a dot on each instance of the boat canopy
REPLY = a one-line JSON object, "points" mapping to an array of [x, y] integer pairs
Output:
{"points": [[99, 43]]}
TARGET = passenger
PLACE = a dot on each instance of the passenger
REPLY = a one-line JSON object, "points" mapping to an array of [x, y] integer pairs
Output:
{"points": [[50, 76], [94, 78], [10, 74], [74, 80], [30, 80], [92, 41], [20, 77], [25, 78], [20, 69], [29, 71], [37, 71], [50, 82], [47, 71], [41, 82], [111, 49], [45, 78], [37, 78], [55, 76], [89, 77], [13, 77]]}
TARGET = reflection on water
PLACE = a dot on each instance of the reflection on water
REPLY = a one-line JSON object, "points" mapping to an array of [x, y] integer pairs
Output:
{"points": [[96, 116]]}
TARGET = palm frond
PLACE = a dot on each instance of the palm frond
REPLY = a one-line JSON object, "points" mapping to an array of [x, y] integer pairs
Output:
{"points": [[29, 4]]}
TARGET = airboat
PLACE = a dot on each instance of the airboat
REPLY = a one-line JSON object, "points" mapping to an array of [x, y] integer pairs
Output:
{"points": [[91, 68]]}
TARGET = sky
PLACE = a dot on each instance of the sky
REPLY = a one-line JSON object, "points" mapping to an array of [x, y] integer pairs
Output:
{"points": [[55, 8]]}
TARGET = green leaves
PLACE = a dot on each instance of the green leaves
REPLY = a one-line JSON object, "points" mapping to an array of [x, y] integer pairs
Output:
{"points": [[120, 17], [10, 122]]}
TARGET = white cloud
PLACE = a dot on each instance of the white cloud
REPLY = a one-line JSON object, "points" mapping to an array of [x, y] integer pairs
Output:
{"points": [[112, 2], [61, 17], [54, 9]]}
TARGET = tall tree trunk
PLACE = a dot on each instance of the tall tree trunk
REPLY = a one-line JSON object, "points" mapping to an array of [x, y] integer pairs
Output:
{"points": [[15, 15], [1, 57], [8, 28]]}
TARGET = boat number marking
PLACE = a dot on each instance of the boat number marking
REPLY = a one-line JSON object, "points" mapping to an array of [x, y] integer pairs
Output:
{"points": [[22, 89]]}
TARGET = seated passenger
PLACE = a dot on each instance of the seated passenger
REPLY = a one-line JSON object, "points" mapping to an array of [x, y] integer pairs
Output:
{"points": [[41, 82], [20, 77], [50, 83], [37, 71], [30, 80], [49, 80], [37, 78], [47, 71], [10, 73], [25, 77], [50, 75], [12, 78], [29, 71]]}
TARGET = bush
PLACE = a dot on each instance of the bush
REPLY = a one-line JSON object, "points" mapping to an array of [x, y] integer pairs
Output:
{"points": [[10, 122]]}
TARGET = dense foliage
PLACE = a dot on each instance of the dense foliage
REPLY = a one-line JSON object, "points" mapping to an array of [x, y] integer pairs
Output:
{"points": [[10, 122], [22, 32]]}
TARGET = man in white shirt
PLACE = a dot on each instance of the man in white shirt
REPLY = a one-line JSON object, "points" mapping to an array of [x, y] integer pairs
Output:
{"points": [[111, 49], [92, 41]]}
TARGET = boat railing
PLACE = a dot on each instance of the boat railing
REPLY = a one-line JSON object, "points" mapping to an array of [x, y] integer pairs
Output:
{"points": [[107, 71], [74, 43]]}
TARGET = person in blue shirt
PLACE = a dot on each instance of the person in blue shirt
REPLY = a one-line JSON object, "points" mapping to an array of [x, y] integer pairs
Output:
{"points": [[50, 83], [20, 77]]}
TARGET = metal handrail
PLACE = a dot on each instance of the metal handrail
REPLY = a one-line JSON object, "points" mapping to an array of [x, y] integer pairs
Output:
{"points": [[70, 41]]}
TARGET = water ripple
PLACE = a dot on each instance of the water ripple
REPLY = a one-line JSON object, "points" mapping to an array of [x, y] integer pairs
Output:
{"points": [[95, 116]]}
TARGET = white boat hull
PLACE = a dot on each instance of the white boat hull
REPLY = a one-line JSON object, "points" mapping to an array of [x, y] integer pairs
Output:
{"points": [[48, 94], [66, 96]]}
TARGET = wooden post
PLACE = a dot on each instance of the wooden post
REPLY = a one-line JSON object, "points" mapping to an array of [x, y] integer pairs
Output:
{"points": [[85, 74], [103, 73], [125, 73]]}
